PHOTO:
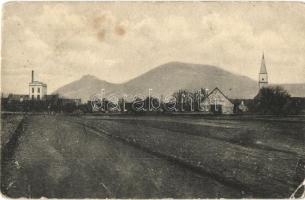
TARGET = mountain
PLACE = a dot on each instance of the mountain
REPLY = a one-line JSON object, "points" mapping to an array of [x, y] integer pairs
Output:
{"points": [[168, 78], [84, 88], [295, 90]]}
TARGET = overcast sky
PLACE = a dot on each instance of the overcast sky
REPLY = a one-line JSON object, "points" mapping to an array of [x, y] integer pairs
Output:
{"points": [[119, 41]]}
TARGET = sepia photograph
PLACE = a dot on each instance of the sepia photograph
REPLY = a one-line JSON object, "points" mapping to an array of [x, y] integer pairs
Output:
{"points": [[153, 100]]}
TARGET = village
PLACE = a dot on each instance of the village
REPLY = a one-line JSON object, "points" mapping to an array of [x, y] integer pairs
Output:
{"points": [[203, 101], [152, 100]]}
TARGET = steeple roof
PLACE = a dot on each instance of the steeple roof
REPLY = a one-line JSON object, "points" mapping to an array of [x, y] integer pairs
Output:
{"points": [[263, 66]]}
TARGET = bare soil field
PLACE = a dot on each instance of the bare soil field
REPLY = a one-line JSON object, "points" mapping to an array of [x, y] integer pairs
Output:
{"points": [[155, 157], [9, 124]]}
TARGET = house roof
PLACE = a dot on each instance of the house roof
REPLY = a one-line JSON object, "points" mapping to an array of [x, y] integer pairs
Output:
{"points": [[220, 93], [51, 96], [37, 83], [17, 97]]}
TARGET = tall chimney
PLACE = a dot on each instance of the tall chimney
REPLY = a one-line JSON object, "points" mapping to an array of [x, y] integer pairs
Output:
{"points": [[32, 75]]}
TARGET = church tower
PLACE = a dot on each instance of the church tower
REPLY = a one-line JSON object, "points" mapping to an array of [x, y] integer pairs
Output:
{"points": [[263, 76]]}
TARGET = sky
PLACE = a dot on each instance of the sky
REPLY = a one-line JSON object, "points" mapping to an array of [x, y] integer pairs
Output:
{"points": [[118, 41]]}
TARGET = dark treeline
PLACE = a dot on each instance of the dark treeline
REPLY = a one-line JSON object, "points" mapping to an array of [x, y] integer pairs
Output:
{"points": [[269, 100], [38, 106], [180, 101], [276, 101]]}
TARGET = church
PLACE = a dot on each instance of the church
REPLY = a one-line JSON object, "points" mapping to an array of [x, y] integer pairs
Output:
{"points": [[218, 103], [263, 75]]}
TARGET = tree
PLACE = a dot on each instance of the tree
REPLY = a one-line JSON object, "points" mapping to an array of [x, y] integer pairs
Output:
{"points": [[184, 100], [271, 100]]}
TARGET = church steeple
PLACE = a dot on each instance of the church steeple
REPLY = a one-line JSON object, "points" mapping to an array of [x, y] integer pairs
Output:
{"points": [[263, 66], [263, 75]]}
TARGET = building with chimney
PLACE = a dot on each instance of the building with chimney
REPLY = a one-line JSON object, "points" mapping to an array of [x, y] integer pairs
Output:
{"points": [[37, 89], [263, 75]]}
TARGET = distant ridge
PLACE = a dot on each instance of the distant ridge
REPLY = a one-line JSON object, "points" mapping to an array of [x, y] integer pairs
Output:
{"points": [[84, 88], [170, 77], [294, 89]]}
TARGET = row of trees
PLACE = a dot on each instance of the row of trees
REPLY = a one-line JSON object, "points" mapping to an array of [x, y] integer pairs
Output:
{"points": [[37, 106], [269, 100], [276, 101], [182, 100]]}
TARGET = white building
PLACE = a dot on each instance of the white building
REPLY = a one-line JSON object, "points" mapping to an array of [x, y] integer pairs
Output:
{"points": [[217, 102], [37, 89]]}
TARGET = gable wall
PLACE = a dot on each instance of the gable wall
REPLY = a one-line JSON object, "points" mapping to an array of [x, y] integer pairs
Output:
{"points": [[220, 99]]}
